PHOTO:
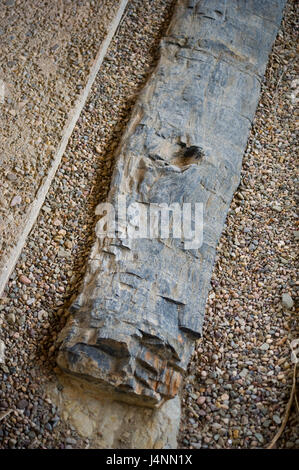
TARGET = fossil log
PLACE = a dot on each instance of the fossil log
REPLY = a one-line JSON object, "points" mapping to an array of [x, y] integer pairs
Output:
{"points": [[142, 303]]}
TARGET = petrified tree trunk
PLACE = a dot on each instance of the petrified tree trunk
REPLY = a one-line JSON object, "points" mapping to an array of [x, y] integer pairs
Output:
{"points": [[142, 303]]}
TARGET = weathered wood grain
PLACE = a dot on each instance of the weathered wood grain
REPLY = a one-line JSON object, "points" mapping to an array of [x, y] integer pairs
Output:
{"points": [[142, 303]]}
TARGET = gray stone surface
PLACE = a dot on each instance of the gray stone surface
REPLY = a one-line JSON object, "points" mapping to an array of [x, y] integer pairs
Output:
{"points": [[287, 301], [141, 307]]}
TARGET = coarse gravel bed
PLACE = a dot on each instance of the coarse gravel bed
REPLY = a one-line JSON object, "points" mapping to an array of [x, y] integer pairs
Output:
{"points": [[240, 375], [46, 278], [47, 52]]}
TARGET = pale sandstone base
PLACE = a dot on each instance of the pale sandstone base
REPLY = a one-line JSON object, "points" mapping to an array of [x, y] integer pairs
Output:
{"points": [[109, 424]]}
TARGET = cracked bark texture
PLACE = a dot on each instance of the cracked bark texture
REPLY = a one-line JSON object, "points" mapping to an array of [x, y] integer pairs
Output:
{"points": [[142, 303]]}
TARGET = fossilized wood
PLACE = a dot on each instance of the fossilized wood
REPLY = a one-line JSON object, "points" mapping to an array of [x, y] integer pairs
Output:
{"points": [[142, 302]]}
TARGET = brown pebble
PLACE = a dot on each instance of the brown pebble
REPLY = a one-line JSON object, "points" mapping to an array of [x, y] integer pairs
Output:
{"points": [[22, 404], [24, 280]]}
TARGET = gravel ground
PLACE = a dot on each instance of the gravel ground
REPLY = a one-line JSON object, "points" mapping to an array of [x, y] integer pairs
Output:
{"points": [[50, 48], [241, 373], [52, 264]]}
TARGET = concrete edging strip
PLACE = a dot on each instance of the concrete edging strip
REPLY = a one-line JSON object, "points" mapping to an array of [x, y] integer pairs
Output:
{"points": [[36, 205]]}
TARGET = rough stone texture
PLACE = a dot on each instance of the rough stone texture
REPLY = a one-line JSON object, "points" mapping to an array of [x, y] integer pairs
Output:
{"points": [[142, 301], [113, 425]]}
